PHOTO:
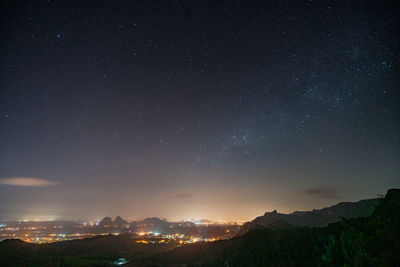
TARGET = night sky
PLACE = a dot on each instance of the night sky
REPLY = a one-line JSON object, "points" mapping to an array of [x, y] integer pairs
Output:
{"points": [[196, 109]]}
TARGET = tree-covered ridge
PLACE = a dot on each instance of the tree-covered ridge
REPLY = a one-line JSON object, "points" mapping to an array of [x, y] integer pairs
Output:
{"points": [[366, 241], [316, 217]]}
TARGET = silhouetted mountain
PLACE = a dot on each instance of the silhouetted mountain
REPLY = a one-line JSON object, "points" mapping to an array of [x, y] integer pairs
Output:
{"points": [[119, 222], [106, 222], [154, 224], [319, 217]]}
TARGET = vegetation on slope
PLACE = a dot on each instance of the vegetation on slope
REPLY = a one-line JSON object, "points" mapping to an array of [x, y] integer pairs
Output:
{"points": [[369, 241]]}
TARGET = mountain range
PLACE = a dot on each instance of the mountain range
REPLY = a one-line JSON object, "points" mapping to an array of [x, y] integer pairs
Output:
{"points": [[373, 240], [316, 217]]}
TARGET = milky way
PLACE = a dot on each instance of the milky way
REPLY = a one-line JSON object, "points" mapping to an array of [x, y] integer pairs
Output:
{"points": [[239, 107]]}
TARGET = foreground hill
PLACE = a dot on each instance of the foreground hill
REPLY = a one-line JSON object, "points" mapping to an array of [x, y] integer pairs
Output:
{"points": [[97, 251], [365, 241], [312, 218]]}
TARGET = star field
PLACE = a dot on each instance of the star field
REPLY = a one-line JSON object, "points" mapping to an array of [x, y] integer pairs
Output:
{"points": [[239, 105]]}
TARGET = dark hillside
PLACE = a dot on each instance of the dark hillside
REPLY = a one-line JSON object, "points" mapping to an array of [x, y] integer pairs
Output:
{"points": [[365, 241]]}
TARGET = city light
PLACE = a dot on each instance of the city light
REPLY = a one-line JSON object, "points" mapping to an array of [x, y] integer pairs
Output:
{"points": [[174, 233]]}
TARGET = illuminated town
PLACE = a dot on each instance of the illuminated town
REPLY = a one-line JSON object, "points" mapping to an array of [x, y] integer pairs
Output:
{"points": [[148, 231]]}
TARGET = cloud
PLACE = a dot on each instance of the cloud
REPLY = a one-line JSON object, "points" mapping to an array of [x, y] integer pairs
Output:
{"points": [[26, 181], [183, 196], [323, 191]]}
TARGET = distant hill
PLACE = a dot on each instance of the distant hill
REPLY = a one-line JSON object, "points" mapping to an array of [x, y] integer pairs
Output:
{"points": [[150, 224], [119, 222], [312, 218], [108, 222]]}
